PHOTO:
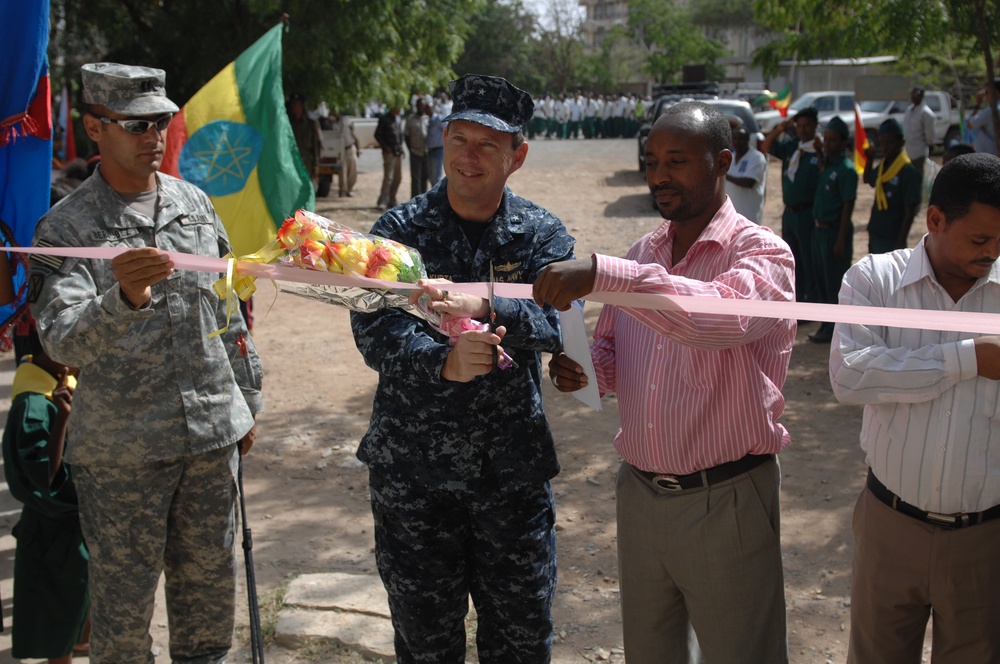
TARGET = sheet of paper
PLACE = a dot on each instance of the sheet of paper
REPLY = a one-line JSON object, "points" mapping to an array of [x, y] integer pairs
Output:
{"points": [[576, 343]]}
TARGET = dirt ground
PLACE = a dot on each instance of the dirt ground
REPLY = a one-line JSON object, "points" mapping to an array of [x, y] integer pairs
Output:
{"points": [[307, 495]]}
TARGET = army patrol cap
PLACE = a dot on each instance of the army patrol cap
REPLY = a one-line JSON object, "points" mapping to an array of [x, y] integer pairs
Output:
{"points": [[490, 101], [839, 126], [126, 89]]}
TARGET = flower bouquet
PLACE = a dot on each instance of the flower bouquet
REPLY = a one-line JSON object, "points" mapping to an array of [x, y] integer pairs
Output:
{"points": [[310, 241], [317, 243]]}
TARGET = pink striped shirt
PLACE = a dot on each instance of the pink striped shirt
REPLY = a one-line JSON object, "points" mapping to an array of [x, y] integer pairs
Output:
{"points": [[697, 390]]}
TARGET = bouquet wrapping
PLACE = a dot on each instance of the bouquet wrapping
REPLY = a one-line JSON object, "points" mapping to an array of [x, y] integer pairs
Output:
{"points": [[310, 241]]}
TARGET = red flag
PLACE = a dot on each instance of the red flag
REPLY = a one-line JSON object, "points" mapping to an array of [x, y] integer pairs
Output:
{"points": [[860, 141]]}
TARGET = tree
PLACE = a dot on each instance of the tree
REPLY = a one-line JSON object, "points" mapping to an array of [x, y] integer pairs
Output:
{"points": [[978, 18], [343, 51], [723, 13], [670, 37], [807, 29], [910, 29], [500, 42], [618, 57], [558, 48]]}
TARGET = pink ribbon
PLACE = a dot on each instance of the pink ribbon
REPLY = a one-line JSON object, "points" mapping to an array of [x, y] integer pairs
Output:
{"points": [[921, 319]]}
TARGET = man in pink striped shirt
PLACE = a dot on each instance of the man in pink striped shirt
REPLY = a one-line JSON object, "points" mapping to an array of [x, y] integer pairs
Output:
{"points": [[699, 397]]}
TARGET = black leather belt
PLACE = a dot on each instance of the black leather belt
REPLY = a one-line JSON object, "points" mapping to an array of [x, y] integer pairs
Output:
{"points": [[935, 519], [707, 477], [801, 207]]}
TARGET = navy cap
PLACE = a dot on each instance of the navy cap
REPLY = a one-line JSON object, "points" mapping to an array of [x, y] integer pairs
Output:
{"points": [[891, 127], [839, 126], [490, 101]]}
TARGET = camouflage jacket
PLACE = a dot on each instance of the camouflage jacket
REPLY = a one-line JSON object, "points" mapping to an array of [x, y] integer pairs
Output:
{"points": [[153, 385], [491, 431]]}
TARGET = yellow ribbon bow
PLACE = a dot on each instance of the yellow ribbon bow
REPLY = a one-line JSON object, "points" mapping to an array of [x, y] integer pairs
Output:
{"points": [[234, 286]]}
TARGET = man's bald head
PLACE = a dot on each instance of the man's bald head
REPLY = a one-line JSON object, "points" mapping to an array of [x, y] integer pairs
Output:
{"points": [[698, 118]]}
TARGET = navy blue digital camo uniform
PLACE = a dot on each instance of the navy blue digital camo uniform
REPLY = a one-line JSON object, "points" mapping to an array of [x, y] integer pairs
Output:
{"points": [[459, 471]]}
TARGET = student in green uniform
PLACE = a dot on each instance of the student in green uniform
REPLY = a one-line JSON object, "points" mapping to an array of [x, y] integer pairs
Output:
{"points": [[801, 161], [897, 191], [51, 598], [833, 237]]}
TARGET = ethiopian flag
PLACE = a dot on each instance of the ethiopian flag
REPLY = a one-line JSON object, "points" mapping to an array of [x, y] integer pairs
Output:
{"points": [[776, 100], [234, 141]]}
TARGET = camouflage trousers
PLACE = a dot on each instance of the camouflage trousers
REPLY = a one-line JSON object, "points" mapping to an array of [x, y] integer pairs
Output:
{"points": [[175, 516], [435, 548]]}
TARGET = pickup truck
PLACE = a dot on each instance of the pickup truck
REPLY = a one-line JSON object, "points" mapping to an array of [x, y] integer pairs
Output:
{"points": [[873, 112], [828, 103], [946, 115]]}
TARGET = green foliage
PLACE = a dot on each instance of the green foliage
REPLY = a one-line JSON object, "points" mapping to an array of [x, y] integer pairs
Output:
{"points": [[808, 29], [344, 51], [722, 13], [670, 37], [954, 65], [500, 44], [619, 56]]}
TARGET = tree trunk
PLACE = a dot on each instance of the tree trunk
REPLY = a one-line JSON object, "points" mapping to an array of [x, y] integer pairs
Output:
{"points": [[979, 8]]}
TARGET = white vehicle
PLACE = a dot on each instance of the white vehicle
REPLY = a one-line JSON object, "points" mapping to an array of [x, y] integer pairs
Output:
{"points": [[828, 104], [332, 153], [946, 115]]}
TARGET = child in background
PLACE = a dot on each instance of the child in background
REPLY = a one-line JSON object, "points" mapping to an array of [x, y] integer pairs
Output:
{"points": [[51, 598]]}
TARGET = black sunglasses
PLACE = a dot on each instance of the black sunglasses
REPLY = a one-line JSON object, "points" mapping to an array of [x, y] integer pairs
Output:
{"points": [[139, 127]]}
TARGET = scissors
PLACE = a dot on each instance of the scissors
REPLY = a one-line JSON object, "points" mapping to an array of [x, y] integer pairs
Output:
{"points": [[493, 315]]}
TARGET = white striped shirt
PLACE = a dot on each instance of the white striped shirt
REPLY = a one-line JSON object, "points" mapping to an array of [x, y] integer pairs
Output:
{"points": [[697, 390], [931, 427]]}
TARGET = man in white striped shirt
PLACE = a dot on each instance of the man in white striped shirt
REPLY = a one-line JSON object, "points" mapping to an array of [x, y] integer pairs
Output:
{"points": [[699, 399], [927, 526]]}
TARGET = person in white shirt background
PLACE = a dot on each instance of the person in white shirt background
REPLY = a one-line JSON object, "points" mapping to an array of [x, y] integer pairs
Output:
{"points": [[918, 129], [746, 181], [981, 122]]}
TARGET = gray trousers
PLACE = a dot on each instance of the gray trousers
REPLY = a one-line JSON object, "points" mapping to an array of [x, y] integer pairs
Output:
{"points": [[175, 516], [705, 559], [392, 175], [419, 175]]}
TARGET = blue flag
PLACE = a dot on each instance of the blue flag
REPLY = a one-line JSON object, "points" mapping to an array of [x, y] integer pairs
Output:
{"points": [[25, 133]]}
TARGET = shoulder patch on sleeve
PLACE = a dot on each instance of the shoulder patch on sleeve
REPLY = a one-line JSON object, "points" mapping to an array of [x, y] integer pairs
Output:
{"points": [[35, 283]]}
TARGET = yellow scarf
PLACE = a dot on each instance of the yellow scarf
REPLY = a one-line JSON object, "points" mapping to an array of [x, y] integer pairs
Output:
{"points": [[32, 378], [901, 160]]}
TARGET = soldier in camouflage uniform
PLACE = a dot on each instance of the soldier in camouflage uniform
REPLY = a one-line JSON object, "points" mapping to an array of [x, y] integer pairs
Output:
{"points": [[161, 407], [459, 453]]}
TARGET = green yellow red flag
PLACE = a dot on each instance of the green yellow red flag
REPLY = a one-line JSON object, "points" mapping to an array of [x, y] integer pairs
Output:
{"points": [[776, 100], [233, 139]]}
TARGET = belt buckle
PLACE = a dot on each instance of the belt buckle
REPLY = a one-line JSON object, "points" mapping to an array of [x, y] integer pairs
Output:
{"points": [[948, 520], [667, 482]]}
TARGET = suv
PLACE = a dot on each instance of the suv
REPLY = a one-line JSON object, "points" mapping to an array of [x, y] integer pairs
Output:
{"points": [[828, 103], [735, 107]]}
